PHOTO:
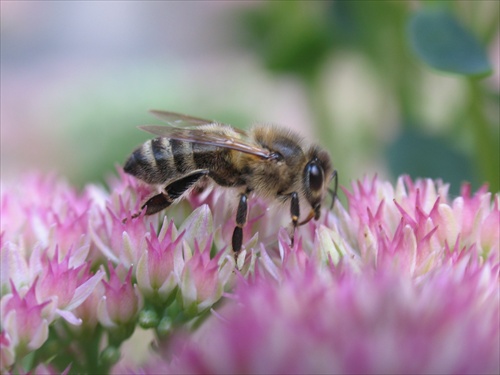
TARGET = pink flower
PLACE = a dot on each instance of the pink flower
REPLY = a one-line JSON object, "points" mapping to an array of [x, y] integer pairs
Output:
{"points": [[389, 286], [13, 267], [87, 310], [489, 235], [7, 355], [203, 279], [121, 301], [263, 221], [23, 319], [66, 285], [403, 280], [44, 211], [126, 191], [197, 227], [411, 225], [44, 369], [119, 235], [323, 322], [158, 268]]}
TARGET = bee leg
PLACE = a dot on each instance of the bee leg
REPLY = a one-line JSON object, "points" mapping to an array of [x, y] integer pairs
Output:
{"points": [[157, 203], [173, 191], [153, 205], [179, 187], [295, 213], [333, 191], [241, 220]]}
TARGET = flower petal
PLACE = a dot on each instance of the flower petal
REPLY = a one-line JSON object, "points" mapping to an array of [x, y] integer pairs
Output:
{"points": [[142, 274], [103, 315], [198, 226], [69, 317], [108, 253], [84, 290]]}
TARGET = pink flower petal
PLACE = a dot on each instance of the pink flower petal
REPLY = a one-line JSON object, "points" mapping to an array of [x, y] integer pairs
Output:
{"points": [[85, 289]]}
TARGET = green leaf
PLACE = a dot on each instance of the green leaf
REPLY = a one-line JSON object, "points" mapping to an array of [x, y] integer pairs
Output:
{"points": [[289, 36], [423, 156], [442, 42]]}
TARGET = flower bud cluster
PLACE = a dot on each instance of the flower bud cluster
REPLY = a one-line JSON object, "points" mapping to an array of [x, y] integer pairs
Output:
{"points": [[83, 265], [405, 279]]}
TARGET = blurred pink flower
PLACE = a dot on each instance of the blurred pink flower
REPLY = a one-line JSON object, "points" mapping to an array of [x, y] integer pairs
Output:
{"points": [[403, 280], [43, 210], [321, 322], [24, 320], [47, 369], [7, 355], [14, 267], [391, 286]]}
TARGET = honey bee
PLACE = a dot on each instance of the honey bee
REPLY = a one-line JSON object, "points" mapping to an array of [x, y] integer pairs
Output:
{"points": [[268, 161]]}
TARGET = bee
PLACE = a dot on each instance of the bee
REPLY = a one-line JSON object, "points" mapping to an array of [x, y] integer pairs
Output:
{"points": [[267, 161]]}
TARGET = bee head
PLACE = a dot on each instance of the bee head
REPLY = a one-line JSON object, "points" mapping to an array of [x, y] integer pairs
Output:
{"points": [[316, 177]]}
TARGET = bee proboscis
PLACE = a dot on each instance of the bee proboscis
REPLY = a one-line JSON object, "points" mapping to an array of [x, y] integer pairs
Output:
{"points": [[268, 161]]}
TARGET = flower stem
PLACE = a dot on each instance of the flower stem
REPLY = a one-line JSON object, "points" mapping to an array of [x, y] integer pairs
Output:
{"points": [[486, 142]]}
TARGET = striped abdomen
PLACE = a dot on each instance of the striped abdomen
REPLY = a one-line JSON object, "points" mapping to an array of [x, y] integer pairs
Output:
{"points": [[162, 160]]}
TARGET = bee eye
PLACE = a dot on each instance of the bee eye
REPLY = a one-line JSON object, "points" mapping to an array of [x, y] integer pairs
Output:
{"points": [[315, 175]]}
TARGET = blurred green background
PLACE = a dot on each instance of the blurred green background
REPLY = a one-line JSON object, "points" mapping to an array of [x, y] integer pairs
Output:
{"points": [[389, 87]]}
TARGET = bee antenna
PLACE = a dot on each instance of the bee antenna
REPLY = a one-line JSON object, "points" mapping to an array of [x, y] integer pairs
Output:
{"points": [[333, 191]]}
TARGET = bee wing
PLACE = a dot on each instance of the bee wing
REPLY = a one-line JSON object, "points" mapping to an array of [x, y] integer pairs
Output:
{"points": [[211, 134], [177, 119], [180, 120]]}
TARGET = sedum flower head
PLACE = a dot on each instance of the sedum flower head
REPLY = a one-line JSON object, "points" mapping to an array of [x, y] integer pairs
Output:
{"points": [[322, 322], [404, 279], [390, 285]]}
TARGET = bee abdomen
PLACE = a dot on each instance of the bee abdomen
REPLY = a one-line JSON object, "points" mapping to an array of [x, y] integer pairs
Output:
{"points": [[153, 162], [182, 156], [162, 160]]}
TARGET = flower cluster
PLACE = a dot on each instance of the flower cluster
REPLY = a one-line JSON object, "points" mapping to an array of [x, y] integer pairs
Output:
{"points": [[321, 322], [403, 280], [81, 268]]}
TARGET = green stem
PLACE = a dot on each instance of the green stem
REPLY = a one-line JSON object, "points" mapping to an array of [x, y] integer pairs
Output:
{"points": [[487, 145], [92, 350]]}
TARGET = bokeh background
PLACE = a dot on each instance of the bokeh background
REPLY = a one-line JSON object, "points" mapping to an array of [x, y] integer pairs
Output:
{"points": [[379, 83]]}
